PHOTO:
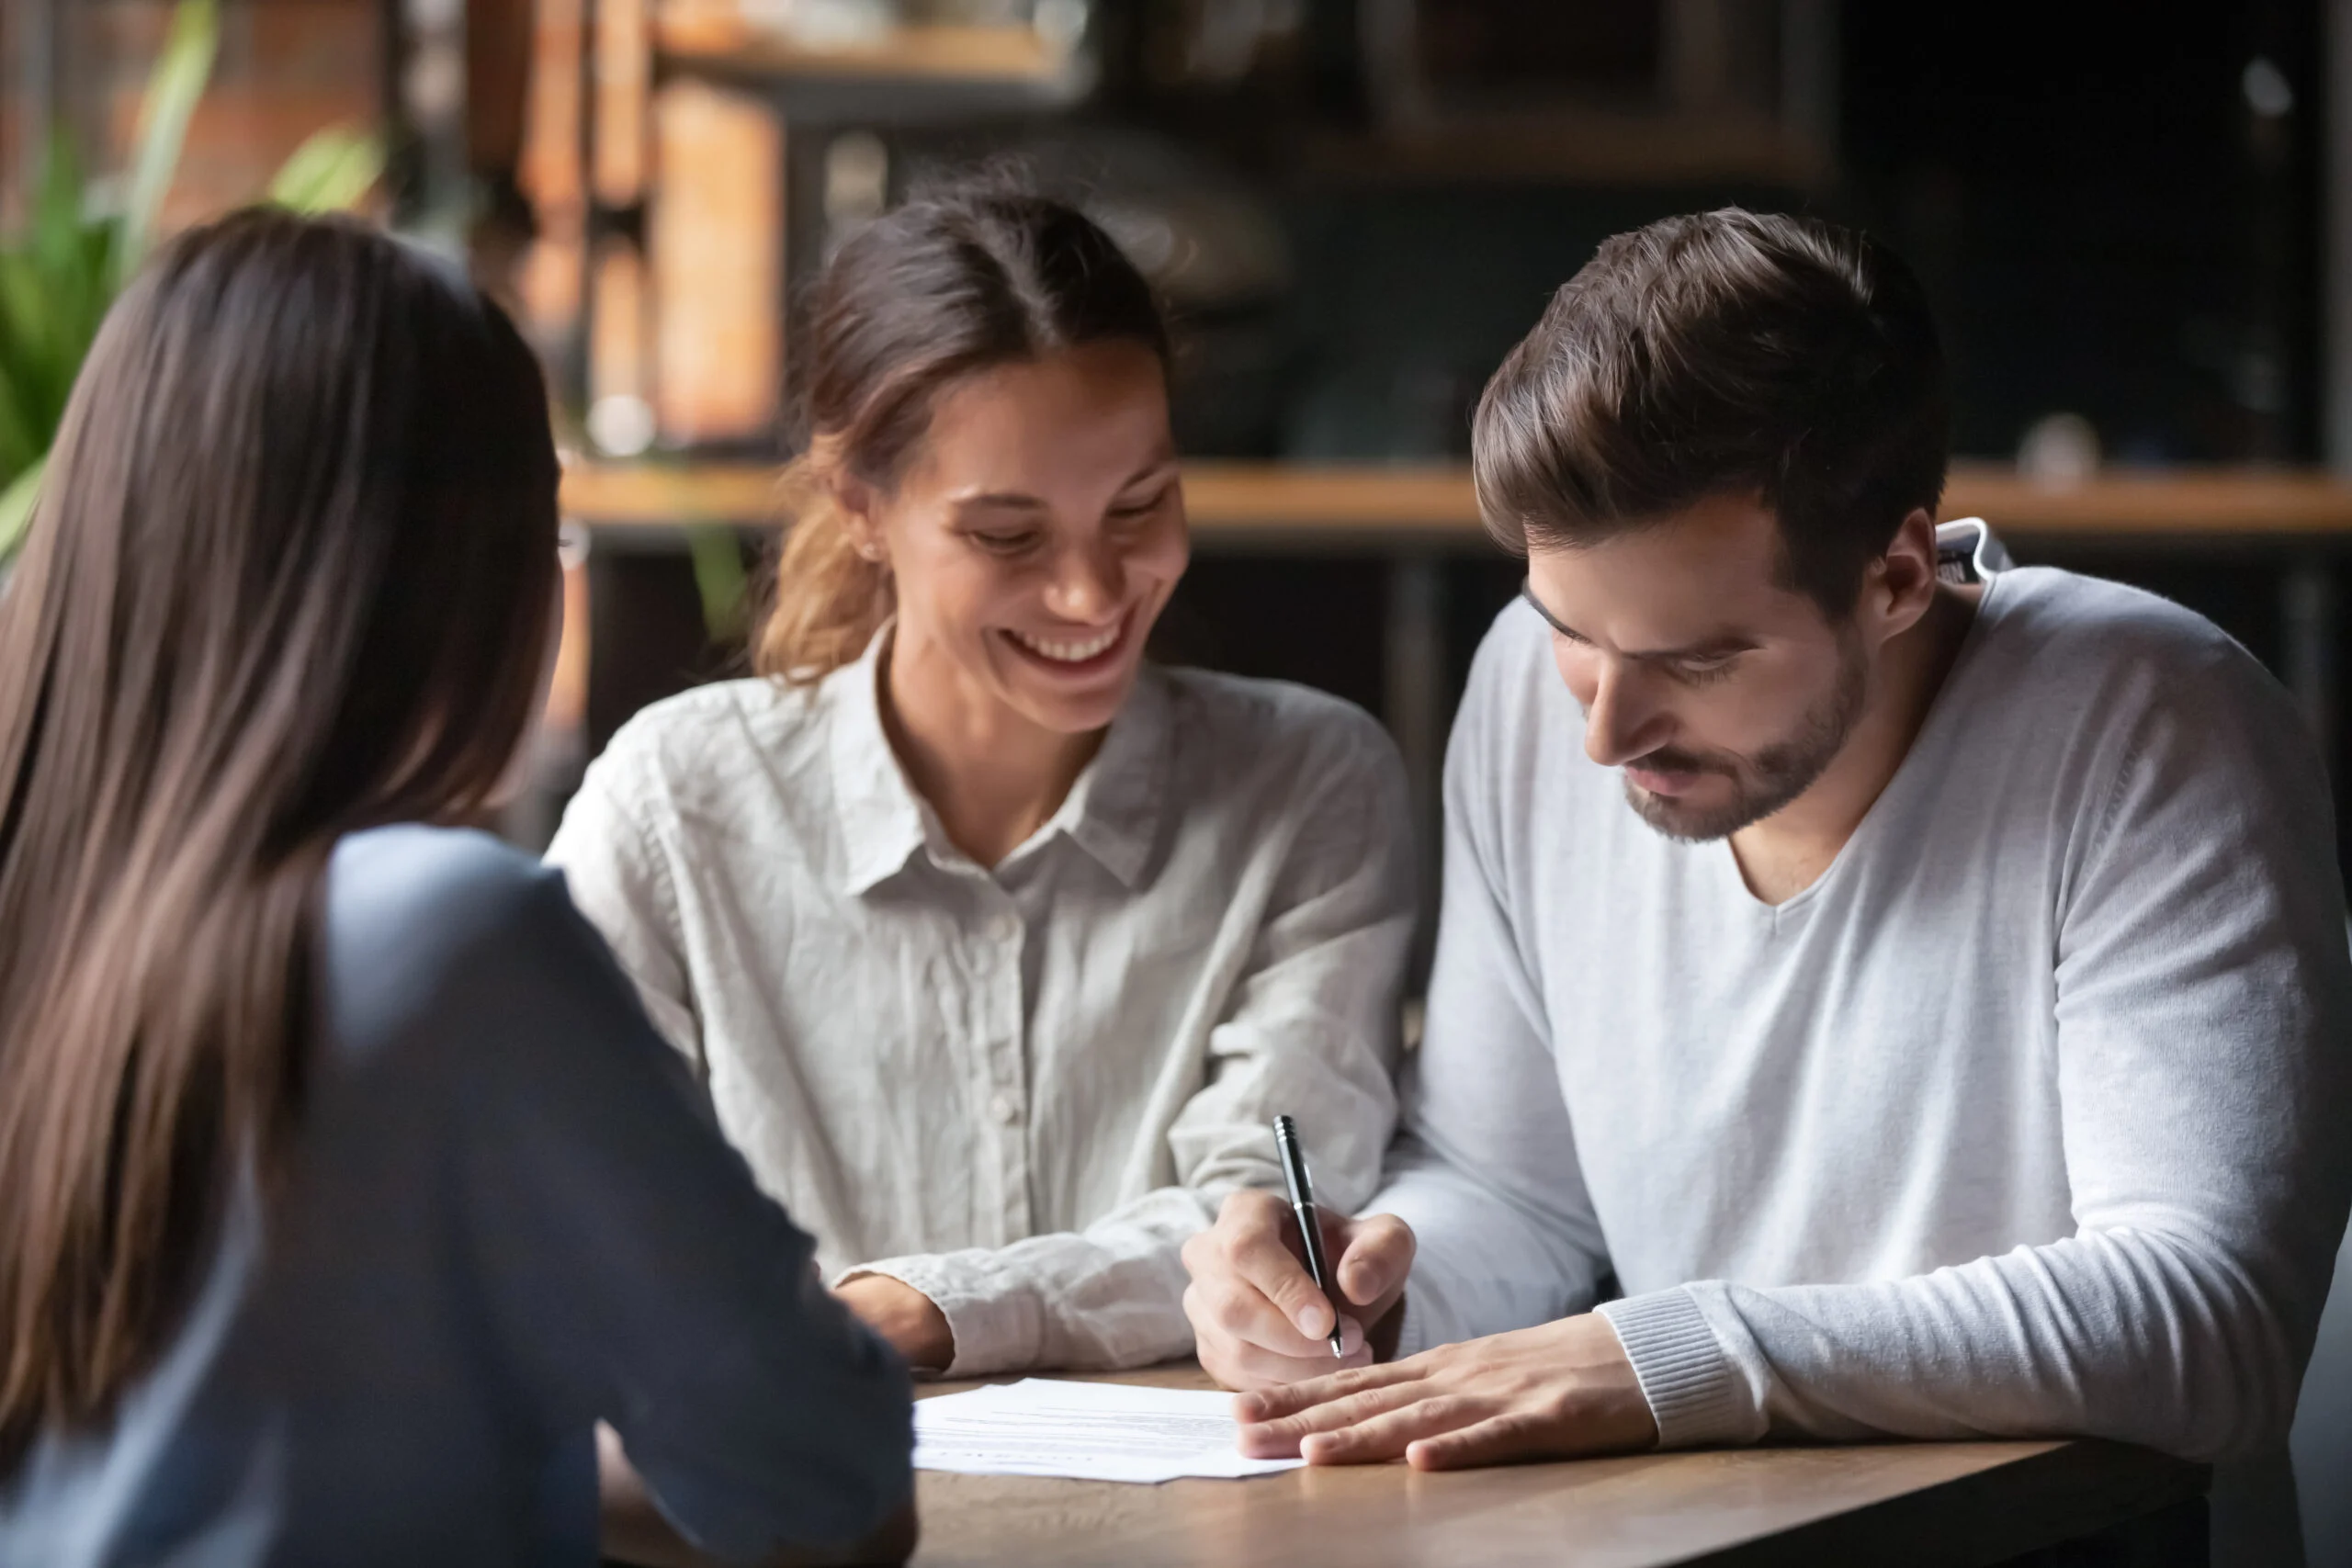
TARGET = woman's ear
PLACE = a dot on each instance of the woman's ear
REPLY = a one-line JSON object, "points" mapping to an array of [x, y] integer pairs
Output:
{"points": [[857, 504]]}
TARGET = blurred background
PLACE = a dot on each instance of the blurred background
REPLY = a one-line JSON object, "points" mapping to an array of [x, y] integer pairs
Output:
{"points": [[1354, 206], [2135, 220]]}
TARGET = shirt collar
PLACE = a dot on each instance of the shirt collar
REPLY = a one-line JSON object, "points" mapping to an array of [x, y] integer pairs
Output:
{"points": [[881, 816], [1113, 811]]}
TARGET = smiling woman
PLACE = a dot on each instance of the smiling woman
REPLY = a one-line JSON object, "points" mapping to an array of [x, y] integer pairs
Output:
{"points": [[997, 945], [1032, 546]]}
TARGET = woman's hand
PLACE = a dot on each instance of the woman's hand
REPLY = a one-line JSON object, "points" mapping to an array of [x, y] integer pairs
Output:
{"points": [[1558, 1391], [905, 1316]]}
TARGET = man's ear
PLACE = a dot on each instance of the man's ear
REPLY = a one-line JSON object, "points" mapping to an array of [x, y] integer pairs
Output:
{"points": [[1901, 584]]}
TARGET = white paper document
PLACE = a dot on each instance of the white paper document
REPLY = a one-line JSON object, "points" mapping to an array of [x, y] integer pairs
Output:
{"points": [[1087, 1431]]}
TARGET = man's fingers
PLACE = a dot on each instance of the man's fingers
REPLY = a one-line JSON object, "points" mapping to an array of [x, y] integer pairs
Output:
{"points": [[1260, 1254], [1247, 1208], [1245, 1367], [1379, 1255], [1275, 1404], [1232, 1310], [1285, 1435], [1254, 1240], [1390, 1433], [1499, 1440], [1246, 1286], [1256, 1237], [1280, 1437]]}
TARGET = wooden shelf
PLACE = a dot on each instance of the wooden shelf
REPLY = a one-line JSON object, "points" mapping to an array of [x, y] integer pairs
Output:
{"points": [[1356, 507], [2219, 502], [934, 53], [658, 495]]}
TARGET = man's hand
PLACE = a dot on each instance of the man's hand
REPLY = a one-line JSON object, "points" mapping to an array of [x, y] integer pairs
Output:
{"points": [[1257, 1316], [915, 1328], [1557, 1391]]}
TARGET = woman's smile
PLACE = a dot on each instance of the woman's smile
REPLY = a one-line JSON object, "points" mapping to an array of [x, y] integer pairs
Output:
{"points": [[1082, 654]]}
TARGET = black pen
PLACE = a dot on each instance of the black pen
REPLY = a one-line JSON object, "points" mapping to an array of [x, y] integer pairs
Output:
{"points": [[1301, 1204]]}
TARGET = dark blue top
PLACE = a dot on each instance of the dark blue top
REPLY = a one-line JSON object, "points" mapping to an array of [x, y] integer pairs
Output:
{"points": [[506, 1215]]}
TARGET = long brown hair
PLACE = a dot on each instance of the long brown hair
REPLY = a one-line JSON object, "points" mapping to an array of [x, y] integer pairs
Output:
{"points": [[291, 575], [958, 279]]}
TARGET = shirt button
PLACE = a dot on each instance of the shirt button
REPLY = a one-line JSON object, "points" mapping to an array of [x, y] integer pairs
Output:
{"points": [[1004, 1108], [1007, 927]]}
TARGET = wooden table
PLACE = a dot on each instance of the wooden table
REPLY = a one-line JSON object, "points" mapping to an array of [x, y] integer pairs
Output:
{"points": [[1913, 1503]]}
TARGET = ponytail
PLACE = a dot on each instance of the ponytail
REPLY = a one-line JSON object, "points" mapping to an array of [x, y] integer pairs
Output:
{"points": [[829, 600]]}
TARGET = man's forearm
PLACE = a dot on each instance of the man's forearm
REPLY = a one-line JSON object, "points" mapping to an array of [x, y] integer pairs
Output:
{"points": [[2138, 1338], [1484, 1266]]}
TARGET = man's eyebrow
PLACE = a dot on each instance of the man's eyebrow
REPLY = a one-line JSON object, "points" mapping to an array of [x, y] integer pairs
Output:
{"points": [[1527, 592], [1713, 647]]}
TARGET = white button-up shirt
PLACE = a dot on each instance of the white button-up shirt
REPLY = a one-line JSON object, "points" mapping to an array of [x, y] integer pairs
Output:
{"points": [[1016, 1089]]}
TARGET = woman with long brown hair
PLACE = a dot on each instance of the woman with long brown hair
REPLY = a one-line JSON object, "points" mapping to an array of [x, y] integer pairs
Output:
{"points": [[997, 944], [346, 1186]]}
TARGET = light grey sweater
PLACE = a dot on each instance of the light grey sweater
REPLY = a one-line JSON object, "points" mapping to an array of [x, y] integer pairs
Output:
{"points": [[2029, 1117]]}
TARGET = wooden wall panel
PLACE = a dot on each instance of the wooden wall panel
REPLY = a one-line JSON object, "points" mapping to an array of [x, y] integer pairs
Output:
{"points": [[287, 68], [716, 231], [553, 175]]}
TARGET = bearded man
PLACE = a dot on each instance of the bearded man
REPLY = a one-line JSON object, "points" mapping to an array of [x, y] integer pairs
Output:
{"points": [[1877, 993]]}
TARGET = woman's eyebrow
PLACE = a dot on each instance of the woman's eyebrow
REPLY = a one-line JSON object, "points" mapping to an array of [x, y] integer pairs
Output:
{"points": [[1151, 471]]}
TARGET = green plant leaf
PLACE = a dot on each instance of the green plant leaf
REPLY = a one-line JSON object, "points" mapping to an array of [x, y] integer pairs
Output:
{"points": [[717, 556], [22, 441], [17, 509], [34, 355], [97, 275], [329, 172], [58, 215], [56, 281], [173, 90]]}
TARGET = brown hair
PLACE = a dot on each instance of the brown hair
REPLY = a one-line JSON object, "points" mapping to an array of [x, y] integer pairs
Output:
{"points": [[290, 574], [1723, 351], [956, 280]]}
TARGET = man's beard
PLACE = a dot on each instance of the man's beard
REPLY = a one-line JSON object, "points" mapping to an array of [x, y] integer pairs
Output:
{"points": [[1770, 780]]}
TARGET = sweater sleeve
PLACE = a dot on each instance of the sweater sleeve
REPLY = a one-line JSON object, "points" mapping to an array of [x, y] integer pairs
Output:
{"points": [[632, 1268], [2203, 998], [1484, 1169]]}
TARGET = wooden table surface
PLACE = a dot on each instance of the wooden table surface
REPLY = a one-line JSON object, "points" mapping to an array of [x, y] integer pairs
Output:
{"points": [[1909, 1502]]}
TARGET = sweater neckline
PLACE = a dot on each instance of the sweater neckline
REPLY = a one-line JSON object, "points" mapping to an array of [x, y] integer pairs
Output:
{"points": [[1989, 605]]}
